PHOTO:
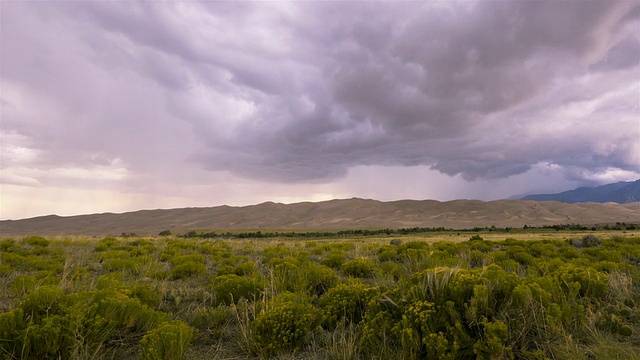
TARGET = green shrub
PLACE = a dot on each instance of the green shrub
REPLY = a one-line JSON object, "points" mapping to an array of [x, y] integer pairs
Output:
{"points": [[147, 295], [436, 285], [482, 246], [346, 301], [11, 323], [22, 284], [394, 270], [127, 314], [37, 241], [317, 279], [187, 269], [111, 281], [545, 250], [245, 268], [182, 259], [16, 261], [231, 288], [275, 252], [168, 253], [591, 283], [303, 276], [625, 331], [476, 258], [387, 255], [417, 245], [284, 325], [182, 244], [42, 302], [288, 274], [380, 318], [334, 259], [225, 270], [126, 265], [446, 246], [108, 242], [360, 267], [418, 334], [8, 245], [45, 340], [418, 259], [166, 342], [209, 249], [522, 257], [112, 254], [492, 344], [53, 265], [5, 270]]}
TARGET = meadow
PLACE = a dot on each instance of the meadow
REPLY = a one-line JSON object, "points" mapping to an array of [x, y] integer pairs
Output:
{"points": [[472, 295]]}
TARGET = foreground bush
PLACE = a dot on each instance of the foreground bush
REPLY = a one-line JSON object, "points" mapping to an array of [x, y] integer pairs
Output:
{"points": [[166, 342], [49, 324], [284, 325], [346, 302]]}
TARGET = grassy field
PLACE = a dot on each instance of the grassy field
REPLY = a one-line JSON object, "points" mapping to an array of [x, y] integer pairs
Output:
{"points": [[482, 295]]}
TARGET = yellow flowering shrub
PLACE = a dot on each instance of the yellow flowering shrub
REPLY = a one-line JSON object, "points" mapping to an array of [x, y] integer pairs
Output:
{"points": [[284, 324], [346, 301]]}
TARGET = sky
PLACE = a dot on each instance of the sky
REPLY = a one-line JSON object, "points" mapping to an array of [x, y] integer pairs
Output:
{"points": [[118, 106]]}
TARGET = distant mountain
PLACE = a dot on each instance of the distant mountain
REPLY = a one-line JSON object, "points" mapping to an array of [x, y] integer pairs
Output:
{"points": [[333, 214], [623, 192]]}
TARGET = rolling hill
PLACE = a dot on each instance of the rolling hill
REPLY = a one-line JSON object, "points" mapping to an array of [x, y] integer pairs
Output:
{"points": [[333, 214]]}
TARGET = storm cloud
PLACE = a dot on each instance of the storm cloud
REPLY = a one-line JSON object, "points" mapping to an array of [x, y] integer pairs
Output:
{"points": [[303, 92]]}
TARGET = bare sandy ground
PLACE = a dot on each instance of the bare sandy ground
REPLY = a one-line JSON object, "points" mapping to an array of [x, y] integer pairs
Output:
{"points": [[333, 214]]}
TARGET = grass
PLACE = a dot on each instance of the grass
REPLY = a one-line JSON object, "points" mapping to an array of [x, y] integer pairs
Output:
{"points": [[469, 283]]}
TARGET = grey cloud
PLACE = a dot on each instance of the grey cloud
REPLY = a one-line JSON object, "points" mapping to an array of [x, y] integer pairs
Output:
{"points": [[622, 56], [77, 94], [301, 92], [438, 77]]}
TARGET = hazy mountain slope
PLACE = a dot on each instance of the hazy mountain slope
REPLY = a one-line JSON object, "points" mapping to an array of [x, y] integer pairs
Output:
{"points": [[352, 213], [620, 192]]}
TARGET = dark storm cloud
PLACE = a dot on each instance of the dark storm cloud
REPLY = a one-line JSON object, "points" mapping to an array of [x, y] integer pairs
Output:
{"points": [[418, 86], [297, 92]]}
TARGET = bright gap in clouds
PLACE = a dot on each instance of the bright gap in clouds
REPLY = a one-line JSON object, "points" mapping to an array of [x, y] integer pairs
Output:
{"points": [[373, 182]]}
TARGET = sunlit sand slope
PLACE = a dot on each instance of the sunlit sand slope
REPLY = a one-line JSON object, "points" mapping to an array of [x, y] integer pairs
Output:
{"points": [[333, 214]]}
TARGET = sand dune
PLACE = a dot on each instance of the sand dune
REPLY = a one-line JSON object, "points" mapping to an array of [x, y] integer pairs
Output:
{"points": [[333, 214]]}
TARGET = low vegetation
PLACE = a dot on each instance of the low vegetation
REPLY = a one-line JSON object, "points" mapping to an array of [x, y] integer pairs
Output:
{"points": [[388, 296]]}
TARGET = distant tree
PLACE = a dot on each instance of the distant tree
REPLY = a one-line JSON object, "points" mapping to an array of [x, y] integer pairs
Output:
{"points": [[165, 233]]}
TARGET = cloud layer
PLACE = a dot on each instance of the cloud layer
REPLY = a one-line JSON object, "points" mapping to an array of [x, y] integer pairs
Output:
{"points": [[303, 92]]}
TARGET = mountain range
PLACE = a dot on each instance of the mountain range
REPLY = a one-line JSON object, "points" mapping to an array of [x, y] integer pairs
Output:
{"points": [[332, 214], [623, 192]]}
